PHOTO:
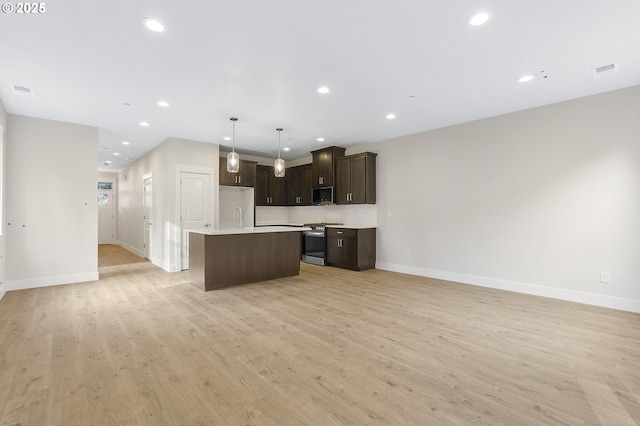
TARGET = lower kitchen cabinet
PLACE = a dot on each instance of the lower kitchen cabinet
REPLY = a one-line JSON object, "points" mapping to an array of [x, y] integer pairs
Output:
{"points": [[351, 248]]}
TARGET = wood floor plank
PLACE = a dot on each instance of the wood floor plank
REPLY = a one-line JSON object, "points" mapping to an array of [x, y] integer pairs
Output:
{"points": [[143, 346]]}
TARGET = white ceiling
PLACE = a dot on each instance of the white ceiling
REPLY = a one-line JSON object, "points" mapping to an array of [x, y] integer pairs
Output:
{"points": [[262, 61]]}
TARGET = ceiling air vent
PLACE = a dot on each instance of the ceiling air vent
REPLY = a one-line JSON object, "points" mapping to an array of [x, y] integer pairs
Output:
{"points": [[23, 91], [605, 70]]}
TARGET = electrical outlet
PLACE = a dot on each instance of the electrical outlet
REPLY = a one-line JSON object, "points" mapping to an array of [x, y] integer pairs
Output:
{"points": [[604, 277]]}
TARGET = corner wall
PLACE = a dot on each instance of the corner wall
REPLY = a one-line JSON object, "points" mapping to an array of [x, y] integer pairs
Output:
{"points": [[539, 201], [3, 203], [162, 162], [51, 212]]}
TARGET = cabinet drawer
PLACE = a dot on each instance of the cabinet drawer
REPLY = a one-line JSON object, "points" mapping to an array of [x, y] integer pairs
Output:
{"points": [[341, 232]]}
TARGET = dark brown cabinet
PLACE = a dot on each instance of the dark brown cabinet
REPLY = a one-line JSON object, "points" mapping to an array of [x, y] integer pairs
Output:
{"points": [[351, 248], [356, 179], [323, 166], [299, 185], [246, 175], [269, 190]]}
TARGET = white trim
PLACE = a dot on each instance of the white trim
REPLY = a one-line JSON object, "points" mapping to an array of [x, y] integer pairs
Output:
{"points": [[131, 249], [49, 281], [613, 302], [164, 265]]}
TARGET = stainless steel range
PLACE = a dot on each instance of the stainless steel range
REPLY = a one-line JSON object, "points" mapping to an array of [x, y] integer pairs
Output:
{"points": [[315, 243]]}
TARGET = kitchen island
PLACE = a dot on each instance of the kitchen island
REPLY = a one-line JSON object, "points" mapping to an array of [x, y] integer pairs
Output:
{"points": [[223, 257]]}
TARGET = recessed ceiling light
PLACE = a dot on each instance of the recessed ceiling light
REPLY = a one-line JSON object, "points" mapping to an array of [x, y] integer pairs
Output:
{"points": [[227, 138], [320, 139], [154, 25], [323, 89], [144, 124], [286, 149], [391, 116], [525, 78], [106, 163], [130, 158], [163, 103], [479, 18], [126, 143], [116, 153]]}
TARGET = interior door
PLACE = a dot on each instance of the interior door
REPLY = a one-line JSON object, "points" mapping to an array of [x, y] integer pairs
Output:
{"points": [[148, 210], [106, 213], [195, 208]]}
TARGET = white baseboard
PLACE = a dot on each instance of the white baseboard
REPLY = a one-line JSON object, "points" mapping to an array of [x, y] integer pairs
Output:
{"points": [[164, 265], [158, 262], [605, 301], [47, 281], [131, 249]]}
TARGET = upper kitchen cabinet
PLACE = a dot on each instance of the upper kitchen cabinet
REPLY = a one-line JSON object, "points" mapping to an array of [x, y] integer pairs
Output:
{"points": [[246, 176], [299, 185], [356, 179], [323, 166], [269, 190]]}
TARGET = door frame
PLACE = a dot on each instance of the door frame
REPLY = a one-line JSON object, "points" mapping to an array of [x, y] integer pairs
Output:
{"points": [[113, 193], [176, 265], [145, 177]]}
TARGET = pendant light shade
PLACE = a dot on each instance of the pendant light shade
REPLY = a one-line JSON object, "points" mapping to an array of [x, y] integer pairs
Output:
{"points": [[278, 167], [233, 159]]}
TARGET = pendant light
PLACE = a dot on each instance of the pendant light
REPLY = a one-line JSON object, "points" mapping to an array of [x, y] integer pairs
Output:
{"points": [[278, 167], [233, 159]]}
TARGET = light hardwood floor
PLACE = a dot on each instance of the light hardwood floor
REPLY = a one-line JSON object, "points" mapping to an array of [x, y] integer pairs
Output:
{"points": [[143, 346]]}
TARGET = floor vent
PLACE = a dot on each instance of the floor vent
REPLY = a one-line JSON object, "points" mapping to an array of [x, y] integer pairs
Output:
{"points": [[605, 70]]}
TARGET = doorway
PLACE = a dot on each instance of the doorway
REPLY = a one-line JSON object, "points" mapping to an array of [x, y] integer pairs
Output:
{"points": [[106, 211]]}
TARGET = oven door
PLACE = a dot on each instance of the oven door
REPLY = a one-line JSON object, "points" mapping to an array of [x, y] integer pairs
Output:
{"points": [[315, 247]]}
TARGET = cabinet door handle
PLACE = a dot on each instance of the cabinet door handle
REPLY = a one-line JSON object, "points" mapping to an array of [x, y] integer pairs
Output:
{"points": [[239, 179], [321, 180], [339, 242]]}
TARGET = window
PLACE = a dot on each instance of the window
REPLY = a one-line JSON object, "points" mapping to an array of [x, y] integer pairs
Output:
{"points": [[103, 199]]}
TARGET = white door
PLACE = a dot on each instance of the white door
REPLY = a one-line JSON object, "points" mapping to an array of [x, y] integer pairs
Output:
{"points": [[148, 204], [106, 214], [195, 207]]}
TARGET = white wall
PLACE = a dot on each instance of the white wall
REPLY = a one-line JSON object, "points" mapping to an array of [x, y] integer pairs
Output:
{"points": [[162, 162], [50, 202], [539, 201], [3, 252]]}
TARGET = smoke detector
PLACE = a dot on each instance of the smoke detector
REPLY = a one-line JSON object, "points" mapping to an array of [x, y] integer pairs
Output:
{"points": [[606, 70]]}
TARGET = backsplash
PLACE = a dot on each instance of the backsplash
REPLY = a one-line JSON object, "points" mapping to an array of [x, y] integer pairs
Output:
{"points": [[355, 215]]}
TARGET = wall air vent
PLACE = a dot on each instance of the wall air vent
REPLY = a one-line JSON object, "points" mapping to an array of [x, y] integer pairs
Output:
{"points": [[22, 91], [606, 70]]}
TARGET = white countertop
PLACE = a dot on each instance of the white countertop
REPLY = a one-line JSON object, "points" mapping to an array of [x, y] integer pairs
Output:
{"points": [[351, 226], [249, 230]]}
